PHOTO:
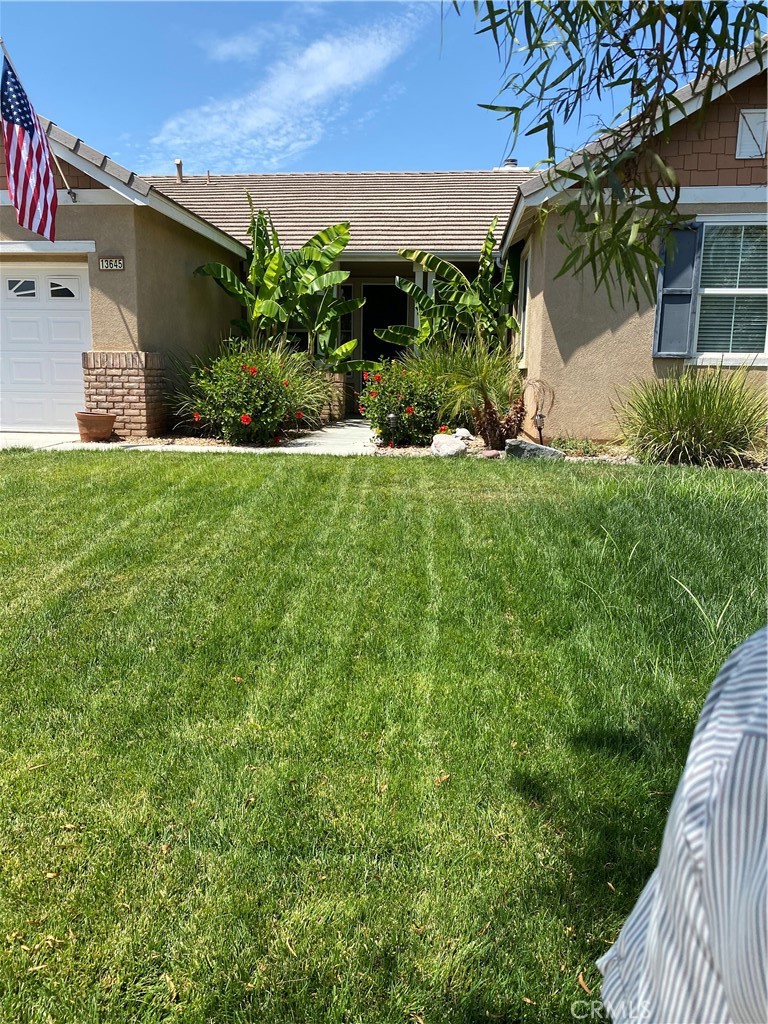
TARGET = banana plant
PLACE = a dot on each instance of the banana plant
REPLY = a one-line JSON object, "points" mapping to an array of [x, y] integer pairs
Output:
{"points": [[288, 290], [461, 309]]}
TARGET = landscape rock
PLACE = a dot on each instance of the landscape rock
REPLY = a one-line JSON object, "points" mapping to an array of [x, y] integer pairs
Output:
{"points": [[489, 453], [463, 434], [517, 448], [445, 445]]}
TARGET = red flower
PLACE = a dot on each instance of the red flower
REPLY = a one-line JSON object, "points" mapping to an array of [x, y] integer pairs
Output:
{"points": [[409, 410], [377, 378], [285, 383], [246, 419], [361, 408], [196, 417], [299, 415], [391, 444], [442, 430], [244, 368], [253, 370], [366, 375], [374, 394], [277, 440]]}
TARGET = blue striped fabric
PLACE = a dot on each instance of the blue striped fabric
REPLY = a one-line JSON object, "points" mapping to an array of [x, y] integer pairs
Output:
{"points": [[693, 950]]}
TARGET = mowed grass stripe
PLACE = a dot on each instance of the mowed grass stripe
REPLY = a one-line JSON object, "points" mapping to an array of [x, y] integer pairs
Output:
{"points": [[345, 740]]}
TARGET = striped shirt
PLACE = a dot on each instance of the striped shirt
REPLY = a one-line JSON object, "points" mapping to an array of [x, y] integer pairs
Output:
{"points": [[693, 950]]}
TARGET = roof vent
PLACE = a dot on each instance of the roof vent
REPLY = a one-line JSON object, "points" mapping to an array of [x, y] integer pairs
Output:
{"points": [[179, 172], [511, 161]]}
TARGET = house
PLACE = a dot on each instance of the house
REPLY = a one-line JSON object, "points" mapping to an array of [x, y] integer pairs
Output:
{"points": [[712, 299], [92, 319]]}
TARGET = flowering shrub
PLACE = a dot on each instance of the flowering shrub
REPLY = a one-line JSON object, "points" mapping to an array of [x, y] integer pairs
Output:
{"points": [[252, 397], [413, 399]]}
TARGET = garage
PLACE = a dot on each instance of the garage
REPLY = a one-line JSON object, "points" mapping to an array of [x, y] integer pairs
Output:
{"points": [[45, 326]]}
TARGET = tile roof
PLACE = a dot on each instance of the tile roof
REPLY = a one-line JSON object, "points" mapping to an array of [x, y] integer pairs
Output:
{"points": [[443, 211]]}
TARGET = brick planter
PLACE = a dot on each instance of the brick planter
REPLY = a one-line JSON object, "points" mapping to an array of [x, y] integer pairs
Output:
{"points": [[337, 407], [129, 385]]}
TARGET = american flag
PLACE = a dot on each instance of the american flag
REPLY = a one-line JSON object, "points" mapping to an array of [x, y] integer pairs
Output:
{"points": [[27, 159]]}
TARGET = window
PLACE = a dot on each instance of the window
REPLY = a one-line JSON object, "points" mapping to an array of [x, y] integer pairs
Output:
{"points": [[345, 322], [733, 290], [26, 289], [63, 289], [522, 304], [753, 132]]}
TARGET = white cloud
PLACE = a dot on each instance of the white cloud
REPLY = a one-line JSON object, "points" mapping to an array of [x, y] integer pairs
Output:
{"points": [[240, 47], [298, 100]]}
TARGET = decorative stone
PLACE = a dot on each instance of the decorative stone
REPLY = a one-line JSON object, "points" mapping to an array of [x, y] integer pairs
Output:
{"points": [[463, 434], [489, 453], [445, 445], [517, 448]]}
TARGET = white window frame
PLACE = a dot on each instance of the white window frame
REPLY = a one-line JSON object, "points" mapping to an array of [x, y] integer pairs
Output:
{"points": [[727, 358], [752, 134]]}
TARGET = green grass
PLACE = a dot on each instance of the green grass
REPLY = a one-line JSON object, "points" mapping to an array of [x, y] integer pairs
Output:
{"points": [[363, 740]]}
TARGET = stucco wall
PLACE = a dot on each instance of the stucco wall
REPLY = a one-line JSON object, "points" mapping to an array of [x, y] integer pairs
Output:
{"points": [[585, 350], [114, 301], [179, 312], [154, 304]]}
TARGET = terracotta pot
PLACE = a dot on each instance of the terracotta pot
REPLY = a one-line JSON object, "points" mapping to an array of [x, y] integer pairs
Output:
{"points": [[95, 426]]}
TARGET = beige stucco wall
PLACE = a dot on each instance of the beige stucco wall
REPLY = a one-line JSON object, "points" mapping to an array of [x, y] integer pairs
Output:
{"points": [[585, 350], [154, 304], [114, 301], [177, 311]]}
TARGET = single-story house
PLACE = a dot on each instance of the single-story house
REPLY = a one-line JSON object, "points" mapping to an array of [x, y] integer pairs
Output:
{"points": [[712, 297], [90, 319]]}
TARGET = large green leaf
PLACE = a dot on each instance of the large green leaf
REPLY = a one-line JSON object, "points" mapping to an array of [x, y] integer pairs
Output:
{"points": [[328, 280], [229, 281], [273, 272], [332, 241], [400, 334], [271, 309], [441, 268], [344, 350]]}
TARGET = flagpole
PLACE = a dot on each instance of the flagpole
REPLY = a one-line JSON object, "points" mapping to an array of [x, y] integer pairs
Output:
{"points": [[70, 191]]}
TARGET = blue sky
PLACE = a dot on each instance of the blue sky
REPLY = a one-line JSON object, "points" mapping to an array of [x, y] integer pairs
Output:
{"points": [[237, 87]]}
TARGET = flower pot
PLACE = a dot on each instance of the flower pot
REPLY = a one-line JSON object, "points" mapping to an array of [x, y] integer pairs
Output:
{"points": [[95, 426]]}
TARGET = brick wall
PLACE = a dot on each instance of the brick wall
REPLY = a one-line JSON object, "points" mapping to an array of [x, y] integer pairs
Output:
{"points": [[705, 153], [76, 179], [130, 385]]}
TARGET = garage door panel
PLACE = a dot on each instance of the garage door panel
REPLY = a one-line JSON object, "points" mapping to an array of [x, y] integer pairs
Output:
{"points": [[66, 331], [44, 329], [23, 331], [67, 372], [26, 371]]}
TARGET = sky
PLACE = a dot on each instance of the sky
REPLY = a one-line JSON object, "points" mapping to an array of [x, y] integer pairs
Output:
{"points": [[237, 87]]}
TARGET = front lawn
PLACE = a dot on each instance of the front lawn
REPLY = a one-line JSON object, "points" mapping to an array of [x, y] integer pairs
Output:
{"points": [[304, 739]]}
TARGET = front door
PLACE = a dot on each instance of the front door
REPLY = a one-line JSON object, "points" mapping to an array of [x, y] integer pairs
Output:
{"points": [[385, 306]]}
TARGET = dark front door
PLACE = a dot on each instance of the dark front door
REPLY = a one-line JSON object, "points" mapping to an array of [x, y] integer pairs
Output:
{"points": [[385, 306]]}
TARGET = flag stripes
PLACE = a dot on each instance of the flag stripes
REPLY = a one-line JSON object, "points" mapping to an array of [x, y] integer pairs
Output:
{"points": [[31, 184]]}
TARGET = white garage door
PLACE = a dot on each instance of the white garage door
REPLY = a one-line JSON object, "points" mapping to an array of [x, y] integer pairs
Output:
{"points": [[45, 326]]}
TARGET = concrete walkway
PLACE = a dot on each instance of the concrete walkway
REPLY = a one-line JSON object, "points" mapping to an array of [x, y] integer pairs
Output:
{"points": [[350, 437]]}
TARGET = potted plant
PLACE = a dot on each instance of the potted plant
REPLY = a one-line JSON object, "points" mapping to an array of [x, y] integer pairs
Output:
{"points": [[95, 426]]}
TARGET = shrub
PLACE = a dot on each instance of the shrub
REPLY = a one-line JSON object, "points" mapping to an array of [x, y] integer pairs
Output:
{"points": [[701, 418], [249, 395], [485, 389], [581, 446], [415, 399]]}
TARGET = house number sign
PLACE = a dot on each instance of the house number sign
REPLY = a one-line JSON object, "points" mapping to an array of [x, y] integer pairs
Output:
{"points": [[111, 263]]}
